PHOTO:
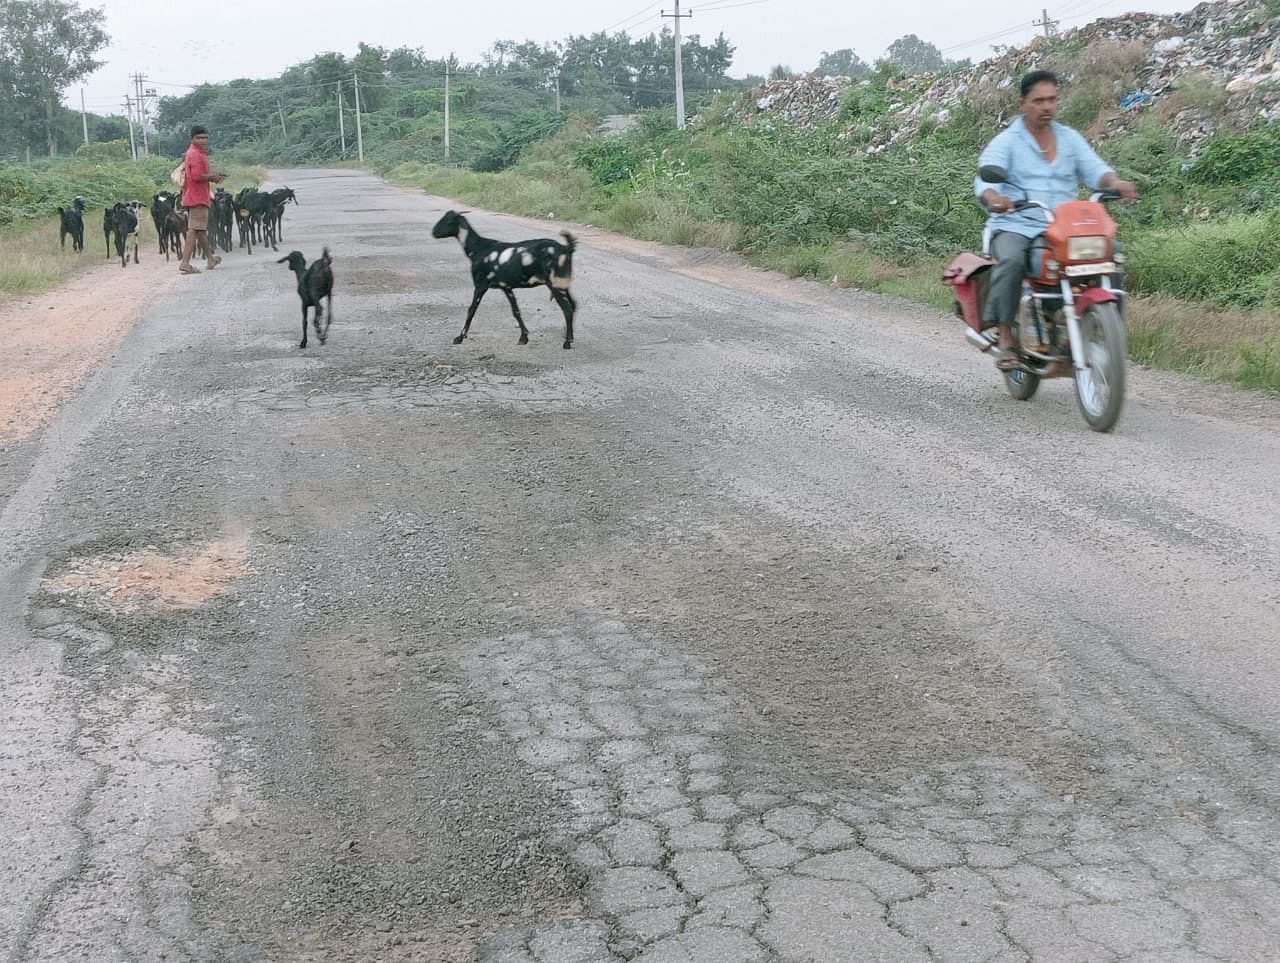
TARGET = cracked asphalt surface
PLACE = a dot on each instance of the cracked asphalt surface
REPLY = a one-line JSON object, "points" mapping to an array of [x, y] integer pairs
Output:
{"points": [[760, 626]]}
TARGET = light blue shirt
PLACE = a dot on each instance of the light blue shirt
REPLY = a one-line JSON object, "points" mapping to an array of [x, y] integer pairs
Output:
{"points": [[1016, 150]]}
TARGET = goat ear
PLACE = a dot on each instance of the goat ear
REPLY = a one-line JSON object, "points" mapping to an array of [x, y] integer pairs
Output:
{"points": [[282, 260]]}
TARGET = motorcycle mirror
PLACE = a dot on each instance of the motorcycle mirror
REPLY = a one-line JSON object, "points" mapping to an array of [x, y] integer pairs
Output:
{"points": [[993, 174]]}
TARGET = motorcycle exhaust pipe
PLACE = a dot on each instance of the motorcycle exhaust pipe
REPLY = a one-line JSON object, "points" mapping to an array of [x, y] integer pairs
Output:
{"points": [[978, 340]]}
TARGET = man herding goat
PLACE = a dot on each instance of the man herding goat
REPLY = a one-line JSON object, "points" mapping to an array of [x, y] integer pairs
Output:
{"points": [[526, 264]]}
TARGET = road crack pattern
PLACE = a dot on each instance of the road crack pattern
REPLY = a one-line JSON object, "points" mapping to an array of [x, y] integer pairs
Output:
{"points": [[691, 860]]}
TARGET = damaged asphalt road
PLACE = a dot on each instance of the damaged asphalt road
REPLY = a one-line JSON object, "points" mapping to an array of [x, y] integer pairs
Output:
{"points": [[759, 626]]}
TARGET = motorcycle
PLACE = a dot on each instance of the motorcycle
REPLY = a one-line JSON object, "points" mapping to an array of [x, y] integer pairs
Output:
{"points": [[1070, 321]]}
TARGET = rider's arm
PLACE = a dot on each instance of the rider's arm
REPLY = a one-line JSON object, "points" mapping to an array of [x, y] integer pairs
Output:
{"points": [[1126, 189], [998, 153]]}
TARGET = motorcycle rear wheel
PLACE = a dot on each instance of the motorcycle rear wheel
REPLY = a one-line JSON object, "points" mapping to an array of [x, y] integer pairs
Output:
{"points": [[1100, 385], [1022, 385]]}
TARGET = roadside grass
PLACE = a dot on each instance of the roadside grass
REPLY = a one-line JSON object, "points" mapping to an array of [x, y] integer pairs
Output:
{"points": [[30, 259], [1237, 345]]}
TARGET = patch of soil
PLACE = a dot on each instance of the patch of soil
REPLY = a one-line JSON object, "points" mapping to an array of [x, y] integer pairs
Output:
{"points": [[52, 341], [183, 579]]}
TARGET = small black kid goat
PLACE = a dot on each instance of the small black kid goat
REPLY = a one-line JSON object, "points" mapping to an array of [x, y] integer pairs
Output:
{"points": [[314, 284], [525, 264], [120, 224], [72, 224]]}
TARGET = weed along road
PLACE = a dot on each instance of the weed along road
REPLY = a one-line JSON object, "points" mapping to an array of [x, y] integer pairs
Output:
{"points": [[759, 626]]}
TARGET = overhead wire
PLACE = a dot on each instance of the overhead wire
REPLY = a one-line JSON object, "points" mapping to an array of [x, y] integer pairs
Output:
{"points": [[625, 20]]}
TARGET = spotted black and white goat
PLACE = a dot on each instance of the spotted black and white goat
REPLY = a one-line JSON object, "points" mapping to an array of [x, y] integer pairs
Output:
{"points": [[525, 264]]}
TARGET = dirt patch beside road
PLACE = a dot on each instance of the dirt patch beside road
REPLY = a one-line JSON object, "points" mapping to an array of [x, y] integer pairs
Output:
{"points": [[52, 341]]}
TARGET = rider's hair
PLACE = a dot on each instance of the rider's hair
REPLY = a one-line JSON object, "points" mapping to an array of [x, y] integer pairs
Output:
{"points": [[1038, 77], [197, 130]]}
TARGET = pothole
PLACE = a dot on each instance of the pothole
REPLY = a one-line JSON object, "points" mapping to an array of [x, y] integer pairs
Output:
{"points": [[183, 577]]}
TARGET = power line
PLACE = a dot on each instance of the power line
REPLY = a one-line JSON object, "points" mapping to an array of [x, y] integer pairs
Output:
{"points": [[723, 5], [624, 20]]}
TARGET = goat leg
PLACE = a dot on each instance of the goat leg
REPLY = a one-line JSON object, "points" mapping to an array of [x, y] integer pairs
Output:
{"points": [[471, 313], [327, 321], [511, 298], [304, 327], [570, 308]]}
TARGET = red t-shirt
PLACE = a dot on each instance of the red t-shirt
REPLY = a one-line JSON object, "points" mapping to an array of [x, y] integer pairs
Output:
{"points": [[197, 193]]}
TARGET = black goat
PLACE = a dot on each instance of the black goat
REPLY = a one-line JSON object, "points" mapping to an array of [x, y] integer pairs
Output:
{"points": [[109, 227], [73, 224], [124, 229], [173, 233], [279, 198], [314, 284], [255, 218], [221, 217], [525, 264], [162, 205]]}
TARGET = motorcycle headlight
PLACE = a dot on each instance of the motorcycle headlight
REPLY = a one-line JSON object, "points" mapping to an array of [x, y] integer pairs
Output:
{"points": [[1086, 248]]}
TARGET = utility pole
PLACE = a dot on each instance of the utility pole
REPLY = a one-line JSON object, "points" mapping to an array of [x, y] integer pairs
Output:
{"points": [[1050, 26], [556, 77], [355, 79], [677, 16], [448, 67], [84, 118], [128, 112], [280, 107], [342, 128], [138, 80]]}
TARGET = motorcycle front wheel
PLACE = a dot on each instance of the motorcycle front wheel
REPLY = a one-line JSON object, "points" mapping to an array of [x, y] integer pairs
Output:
{"points": [[1100, 384]]}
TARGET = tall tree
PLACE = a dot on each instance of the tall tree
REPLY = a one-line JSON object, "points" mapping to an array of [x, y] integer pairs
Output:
{"points": [[45, 47], [842, 63], [915, 56]]}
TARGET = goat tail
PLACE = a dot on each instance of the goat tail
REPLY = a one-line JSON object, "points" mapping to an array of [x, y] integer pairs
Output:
{"points": [[570, 240], [324, 256]]}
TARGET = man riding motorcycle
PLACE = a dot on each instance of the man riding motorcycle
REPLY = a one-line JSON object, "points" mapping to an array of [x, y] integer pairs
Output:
{"points": [[1049, 161]]}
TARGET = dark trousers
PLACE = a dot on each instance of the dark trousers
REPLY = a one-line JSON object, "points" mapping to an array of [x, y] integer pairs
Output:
{"points": [[1005, 291]]}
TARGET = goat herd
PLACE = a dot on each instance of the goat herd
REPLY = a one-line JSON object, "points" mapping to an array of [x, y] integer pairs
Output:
{"points": [[259, 216], [256, 215]]}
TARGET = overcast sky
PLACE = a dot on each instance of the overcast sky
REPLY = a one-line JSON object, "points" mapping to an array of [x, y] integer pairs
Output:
{"points": [[251, 38]]}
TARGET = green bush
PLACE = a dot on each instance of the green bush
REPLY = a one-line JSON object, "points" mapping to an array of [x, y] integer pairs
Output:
{"points": [[609, 160], [105, 152], [1239, 158], [1081, 109], [1233, 261], [38, 190]]}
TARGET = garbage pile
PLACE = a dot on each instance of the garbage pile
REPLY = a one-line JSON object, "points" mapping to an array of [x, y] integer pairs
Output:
{"points": [[804, 101], [1231, 50]]}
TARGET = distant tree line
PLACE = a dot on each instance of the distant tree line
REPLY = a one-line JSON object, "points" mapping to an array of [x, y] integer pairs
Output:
{"points": [[515, 93]]}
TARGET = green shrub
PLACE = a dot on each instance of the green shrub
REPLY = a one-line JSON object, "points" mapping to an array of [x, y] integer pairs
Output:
{"points": [[1233, 261], [609, 160], [1081, 108], [1238, 158]]}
